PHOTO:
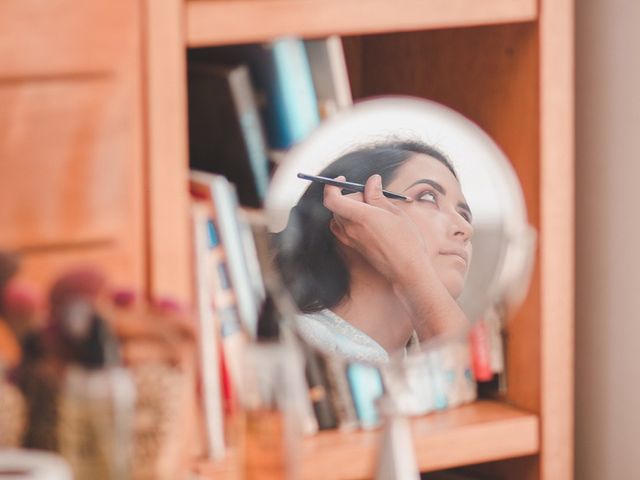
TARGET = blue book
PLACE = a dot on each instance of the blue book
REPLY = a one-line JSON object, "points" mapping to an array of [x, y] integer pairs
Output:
{"points": [[366, 386], [284, 74], [283, 84]]}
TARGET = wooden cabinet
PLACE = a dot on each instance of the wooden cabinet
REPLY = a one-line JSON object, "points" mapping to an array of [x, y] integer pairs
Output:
{"points": [[71, 164]]}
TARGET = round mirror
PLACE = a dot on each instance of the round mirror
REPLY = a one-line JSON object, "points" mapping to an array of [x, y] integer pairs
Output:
{"points": [[429, 231]]}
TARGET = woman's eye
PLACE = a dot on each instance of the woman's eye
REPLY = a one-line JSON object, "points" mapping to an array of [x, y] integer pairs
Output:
{"points": [[427, 196], [466, 216]]}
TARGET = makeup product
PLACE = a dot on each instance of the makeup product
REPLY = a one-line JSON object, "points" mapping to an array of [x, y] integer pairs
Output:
{"points": [[153, 339], [35, 375], [13, 414], [396, 458], [96, 402], [272, 330], [22, 305], [270, 439], [353, 187], [439, 381], [408, 381]]}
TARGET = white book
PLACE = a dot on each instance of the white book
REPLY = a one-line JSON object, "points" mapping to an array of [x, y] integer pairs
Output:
{"points": [[208, 338], [233, 237], [330, 75]]}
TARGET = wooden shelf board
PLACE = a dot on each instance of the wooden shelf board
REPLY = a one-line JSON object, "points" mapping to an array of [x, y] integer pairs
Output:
{"points": [[219, 22], [480, 432]]}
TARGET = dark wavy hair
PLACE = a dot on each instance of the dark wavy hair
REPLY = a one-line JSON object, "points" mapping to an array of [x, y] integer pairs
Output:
{"points": [[307, 253]]}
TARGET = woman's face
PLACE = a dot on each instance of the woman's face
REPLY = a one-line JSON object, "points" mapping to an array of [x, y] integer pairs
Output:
{"points": [[442, 215]]}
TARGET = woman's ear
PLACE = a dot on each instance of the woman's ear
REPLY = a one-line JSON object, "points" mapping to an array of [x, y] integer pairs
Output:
{"points": [[338, 232]]}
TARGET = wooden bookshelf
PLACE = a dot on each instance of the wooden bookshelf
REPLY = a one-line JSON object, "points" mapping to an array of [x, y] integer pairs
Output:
{"points": [[480, 432], [506, 64], [218, 22]]}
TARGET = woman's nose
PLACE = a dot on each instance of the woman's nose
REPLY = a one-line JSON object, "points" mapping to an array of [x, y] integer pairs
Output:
{"points": [[462, 228]]}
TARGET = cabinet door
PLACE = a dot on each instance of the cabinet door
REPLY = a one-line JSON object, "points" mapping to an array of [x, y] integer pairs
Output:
{"points": [[71, 184], [63, 37]]}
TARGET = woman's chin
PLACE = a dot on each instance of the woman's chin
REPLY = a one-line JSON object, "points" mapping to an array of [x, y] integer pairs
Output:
{"points": [[454, 285]]}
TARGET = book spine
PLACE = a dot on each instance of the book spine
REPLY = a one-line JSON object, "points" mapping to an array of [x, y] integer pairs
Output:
{"points": [[208, 337], [330, 76], [251, 128], [291, 98], [341, 393], [366, 386], [227, 212], [319, 390]]}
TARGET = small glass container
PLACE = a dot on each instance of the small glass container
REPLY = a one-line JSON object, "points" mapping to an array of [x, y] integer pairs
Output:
{"points": [[270, 434]]}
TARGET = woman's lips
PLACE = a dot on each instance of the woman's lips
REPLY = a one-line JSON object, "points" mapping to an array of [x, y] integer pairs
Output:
{"points": [[460, 254]]}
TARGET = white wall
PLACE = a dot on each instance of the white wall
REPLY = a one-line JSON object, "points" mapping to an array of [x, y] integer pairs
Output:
{"points": [[608, 240]]}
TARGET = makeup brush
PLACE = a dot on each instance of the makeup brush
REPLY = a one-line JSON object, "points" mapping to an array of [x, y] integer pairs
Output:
{"points": [[354, 187]]}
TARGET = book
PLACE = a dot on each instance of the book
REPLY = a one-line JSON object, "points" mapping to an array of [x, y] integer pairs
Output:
{"points": [[341, 393], [365, 382], [225, 130], [329, 73], [319, 388], [234, 240], [283, 84], [208, 338]]}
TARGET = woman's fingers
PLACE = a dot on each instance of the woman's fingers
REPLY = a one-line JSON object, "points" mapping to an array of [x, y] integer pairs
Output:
{"points": [[373, 194], [343, 205]]}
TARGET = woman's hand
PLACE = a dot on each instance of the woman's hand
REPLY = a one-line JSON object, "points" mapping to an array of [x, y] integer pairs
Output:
{"points": [[391, 242], [380, 231]]}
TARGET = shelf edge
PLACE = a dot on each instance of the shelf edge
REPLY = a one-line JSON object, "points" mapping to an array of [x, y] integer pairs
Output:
{"points": [[210, 22]]}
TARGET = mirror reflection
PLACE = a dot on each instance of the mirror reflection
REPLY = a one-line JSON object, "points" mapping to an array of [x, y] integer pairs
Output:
{"points": [[375, 275], [371, 274]]}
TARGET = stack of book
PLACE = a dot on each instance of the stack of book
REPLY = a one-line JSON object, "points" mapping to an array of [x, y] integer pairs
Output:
{"points": [[250, 103]]}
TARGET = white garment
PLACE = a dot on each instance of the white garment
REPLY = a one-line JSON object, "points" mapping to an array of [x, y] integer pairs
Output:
{"points": [[328, 332]]}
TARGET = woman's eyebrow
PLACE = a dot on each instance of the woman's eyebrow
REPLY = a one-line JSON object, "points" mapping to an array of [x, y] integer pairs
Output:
{"points": [[433, 183], [464, 206]]}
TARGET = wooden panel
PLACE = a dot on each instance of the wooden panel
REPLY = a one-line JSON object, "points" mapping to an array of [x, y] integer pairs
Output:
{"points": [[474, 433], [64, 150], [557, 236], [58, 37], [70, 137], [219, 22], [114, 259], [166, 142]]}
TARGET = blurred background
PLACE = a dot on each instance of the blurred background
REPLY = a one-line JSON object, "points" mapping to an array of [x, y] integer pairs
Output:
{"points": [[607, 239]]}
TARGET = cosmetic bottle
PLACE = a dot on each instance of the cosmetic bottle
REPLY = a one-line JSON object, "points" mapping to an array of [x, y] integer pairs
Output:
{"points": [[36, 374], [159, 358], [13, 412], [396, 457], [270, 424], [97, 398]]}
